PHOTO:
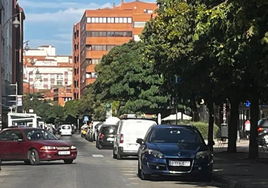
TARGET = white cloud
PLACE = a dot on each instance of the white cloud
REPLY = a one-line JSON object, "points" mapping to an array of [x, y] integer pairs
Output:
{"points": [[63, 5], [67, 36], [68, 15]]}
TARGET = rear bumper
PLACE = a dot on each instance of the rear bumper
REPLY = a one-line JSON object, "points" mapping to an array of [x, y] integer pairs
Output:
{"points": [[123, 152], [106, 143]]}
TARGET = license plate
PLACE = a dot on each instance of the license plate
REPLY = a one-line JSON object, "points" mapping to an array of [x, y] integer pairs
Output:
{"points": [[179, 163], [64, 152], [110, 139]]}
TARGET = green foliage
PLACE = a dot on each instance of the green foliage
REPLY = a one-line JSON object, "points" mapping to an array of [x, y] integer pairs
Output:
{"points": [[203, 128], [127, 77]]}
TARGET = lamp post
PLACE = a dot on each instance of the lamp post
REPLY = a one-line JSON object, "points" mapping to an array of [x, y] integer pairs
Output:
{"points": [[37, 75]]}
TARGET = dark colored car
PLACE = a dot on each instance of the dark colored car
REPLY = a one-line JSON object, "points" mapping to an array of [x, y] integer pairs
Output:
{"points": [[106, 136], [176, 150], [263, 132], [33, 145]]}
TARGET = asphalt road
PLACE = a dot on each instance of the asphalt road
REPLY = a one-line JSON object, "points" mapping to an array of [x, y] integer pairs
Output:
{"points": [[93, 168]]}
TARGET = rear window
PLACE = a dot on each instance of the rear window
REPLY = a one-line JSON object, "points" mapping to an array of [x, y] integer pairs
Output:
{"points": [[131, 125], [263, 123], [175, 135], [109, 130], [66, 127]]}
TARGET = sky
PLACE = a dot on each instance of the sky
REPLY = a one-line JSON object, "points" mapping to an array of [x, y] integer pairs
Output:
{"points": [[50, 22]]}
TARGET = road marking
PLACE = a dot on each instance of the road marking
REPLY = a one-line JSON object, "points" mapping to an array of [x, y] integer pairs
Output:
{"points": [[97, 155]]}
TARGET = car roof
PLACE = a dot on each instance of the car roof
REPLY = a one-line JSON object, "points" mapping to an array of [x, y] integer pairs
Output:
{"points": [[20, 128], [174, 126]]}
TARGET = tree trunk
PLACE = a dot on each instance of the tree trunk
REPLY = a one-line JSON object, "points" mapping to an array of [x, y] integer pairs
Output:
{"points": [[210, 125], [254, 112], [232, 127]]}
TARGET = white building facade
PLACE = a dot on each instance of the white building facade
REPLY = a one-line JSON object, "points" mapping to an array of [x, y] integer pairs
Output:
{"points": [[44, 69]]}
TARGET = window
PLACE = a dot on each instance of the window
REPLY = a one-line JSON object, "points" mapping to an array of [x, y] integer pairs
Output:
{"points": [[93, 20], [139, 24], [88, 20], [129, 20], [96, 61], [116, 20], [11, 135], [120, 20], [175, 135], [125, 20]]}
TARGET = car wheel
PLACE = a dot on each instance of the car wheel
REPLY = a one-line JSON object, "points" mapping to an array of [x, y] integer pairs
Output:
{"points": [[114, 155], [118, 156], [27, 162], [139, 170], [68, 161], [33, 157]]}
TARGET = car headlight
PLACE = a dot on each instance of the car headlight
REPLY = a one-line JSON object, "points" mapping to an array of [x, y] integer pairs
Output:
{"points": [[204, 155], [156, 154], [73, 147], [47, 147]]}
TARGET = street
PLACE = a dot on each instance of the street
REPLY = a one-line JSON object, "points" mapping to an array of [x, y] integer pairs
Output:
{"points": [[93, 168]]}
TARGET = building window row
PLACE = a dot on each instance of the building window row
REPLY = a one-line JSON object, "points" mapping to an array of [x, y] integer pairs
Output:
{"points": [[109, 20], [102, 47], [90, 75], [95, 61], [109, 33]]}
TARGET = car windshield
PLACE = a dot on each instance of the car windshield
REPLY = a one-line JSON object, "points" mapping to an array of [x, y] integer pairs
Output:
{"points": [[39, 134], [175, 135]]}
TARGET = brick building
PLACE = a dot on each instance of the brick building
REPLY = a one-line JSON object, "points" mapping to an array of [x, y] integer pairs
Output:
{"points": [[99, 31]]}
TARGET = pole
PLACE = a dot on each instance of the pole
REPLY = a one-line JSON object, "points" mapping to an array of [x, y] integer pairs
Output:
{"points": [[176, 105], [16, 97]]}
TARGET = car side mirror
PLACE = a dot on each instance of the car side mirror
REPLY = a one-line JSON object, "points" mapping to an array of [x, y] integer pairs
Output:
{"points": [[140, 141]]}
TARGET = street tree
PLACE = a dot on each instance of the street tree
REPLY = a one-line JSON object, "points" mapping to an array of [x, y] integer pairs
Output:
{"points": [[125, 75]]}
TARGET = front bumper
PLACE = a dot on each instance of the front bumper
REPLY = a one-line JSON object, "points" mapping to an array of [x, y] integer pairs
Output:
{"points": [[55, 155], [156, 166]]}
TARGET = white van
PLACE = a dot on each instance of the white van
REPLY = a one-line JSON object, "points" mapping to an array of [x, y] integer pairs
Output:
{"points": [[129, 130], [66, 130]]}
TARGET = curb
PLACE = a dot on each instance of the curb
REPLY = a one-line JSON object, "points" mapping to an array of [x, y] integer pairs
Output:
{"points": [[229, 182]]}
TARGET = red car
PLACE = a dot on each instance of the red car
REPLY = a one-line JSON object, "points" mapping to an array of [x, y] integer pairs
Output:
{"points": [[33, 145]]}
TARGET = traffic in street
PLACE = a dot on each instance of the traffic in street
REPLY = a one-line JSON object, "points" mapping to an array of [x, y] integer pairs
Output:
{"points": [[92, 168]]}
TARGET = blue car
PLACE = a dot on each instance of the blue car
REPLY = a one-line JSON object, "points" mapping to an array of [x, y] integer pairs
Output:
{"points": [[176, 150]]}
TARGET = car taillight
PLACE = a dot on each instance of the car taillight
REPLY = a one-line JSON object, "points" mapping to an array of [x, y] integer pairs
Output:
{"points": [[101, 136], [121, 138], [260, 129]]}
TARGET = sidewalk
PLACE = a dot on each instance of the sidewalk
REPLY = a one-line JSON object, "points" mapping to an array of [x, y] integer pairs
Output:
{"points": [[236, 170]]}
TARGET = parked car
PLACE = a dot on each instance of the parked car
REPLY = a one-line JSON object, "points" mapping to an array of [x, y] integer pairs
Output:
{"points": [[127, 133], [33, 145], [106, 136], [175, 150], [66, 130], [263, 132], [97, 130]]}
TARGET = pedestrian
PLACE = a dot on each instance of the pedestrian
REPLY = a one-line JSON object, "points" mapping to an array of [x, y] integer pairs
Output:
{"points": [[247, 129]]}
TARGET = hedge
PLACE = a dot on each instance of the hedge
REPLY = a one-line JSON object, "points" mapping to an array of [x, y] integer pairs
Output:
{"points": [[203, 128]]}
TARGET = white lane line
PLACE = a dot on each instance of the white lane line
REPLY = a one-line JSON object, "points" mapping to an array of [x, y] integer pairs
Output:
{"points": [[97, 155]]}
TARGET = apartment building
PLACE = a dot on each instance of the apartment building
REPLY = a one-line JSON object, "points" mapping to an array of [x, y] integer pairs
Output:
{"points": [[47, 72], [11, 52], [99, 31]]}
